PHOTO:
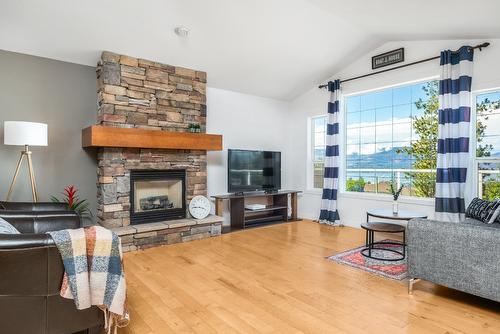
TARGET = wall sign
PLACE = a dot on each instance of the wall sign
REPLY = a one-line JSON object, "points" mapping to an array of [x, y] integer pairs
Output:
{"points": [[388, 58]]}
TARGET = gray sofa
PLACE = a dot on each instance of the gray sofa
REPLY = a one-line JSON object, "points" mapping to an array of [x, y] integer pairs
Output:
{"points": [[463, 256]]}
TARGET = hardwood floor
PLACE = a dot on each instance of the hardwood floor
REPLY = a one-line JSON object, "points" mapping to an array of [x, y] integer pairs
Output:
{"points": [[276, 280]]}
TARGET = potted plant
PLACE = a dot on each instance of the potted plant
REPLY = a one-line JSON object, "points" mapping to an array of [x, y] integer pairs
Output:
{"points": [[395, 195], [194, 127], [70, 197]]}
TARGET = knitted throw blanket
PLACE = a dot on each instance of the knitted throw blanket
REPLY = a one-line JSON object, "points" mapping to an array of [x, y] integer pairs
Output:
{"points": [[94, 275]]}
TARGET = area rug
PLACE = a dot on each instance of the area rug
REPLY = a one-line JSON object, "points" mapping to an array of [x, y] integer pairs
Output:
{"points": [[396, 270]]}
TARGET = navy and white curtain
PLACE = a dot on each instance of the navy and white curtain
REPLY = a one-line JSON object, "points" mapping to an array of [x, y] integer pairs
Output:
{"points": [[453, 133], [329, 213]]}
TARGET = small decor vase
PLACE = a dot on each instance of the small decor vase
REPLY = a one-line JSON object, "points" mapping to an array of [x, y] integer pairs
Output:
{"points": [[395, 207]]}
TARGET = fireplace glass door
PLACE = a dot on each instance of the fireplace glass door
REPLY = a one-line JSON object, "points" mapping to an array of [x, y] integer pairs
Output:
{"points": [[157, 195]]}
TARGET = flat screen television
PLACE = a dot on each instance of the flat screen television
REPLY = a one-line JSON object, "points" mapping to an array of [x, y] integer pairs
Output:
{"points": [[253, 171]]}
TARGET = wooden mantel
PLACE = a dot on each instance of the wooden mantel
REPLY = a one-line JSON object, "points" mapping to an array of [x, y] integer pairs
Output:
{"points": [[106, 136]]}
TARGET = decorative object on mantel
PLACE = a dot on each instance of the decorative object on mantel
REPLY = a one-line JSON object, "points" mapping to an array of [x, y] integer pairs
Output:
{"points": [[106, 136], [199, 207], [395, 194], [193, 127], [70, 197], [25, 134]]}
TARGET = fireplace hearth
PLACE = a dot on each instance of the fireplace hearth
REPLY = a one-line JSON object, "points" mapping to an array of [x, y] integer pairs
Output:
{"points": [[157, 195]]}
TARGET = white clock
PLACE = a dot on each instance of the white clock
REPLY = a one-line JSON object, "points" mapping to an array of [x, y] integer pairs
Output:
{"points": [[199, 207]]}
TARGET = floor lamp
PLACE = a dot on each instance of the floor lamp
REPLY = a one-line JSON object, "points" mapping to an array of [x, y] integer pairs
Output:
{"points": [[25, 134]]}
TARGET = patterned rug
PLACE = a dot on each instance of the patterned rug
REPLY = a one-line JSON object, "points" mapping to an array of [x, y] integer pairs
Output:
{"points": [[396, 270]]}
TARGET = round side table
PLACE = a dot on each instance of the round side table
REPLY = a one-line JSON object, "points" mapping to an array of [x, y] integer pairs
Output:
{"points": [[388, 214], [371, 244], [386, 227]]}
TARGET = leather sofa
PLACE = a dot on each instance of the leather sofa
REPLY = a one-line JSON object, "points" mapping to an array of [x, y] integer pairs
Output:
{"points": [[33, 206], [31, 276]]}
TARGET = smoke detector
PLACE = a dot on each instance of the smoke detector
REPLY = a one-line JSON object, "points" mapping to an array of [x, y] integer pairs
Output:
{"points": [[181, 31]]}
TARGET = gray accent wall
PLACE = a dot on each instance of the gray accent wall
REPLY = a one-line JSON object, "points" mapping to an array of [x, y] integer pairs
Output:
{"points": [[63, 95]]}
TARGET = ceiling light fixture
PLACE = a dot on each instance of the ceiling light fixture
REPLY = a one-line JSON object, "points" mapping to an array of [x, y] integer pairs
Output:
{"points": [[181, 31]]}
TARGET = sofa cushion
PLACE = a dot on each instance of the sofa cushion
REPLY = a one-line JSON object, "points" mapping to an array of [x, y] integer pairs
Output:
{"points": [[6, 228], [494, 213], [474, 208], [483, 210]]}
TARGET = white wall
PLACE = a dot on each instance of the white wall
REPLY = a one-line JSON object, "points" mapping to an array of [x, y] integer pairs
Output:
{"points": [[246, 122], [352, 207]]}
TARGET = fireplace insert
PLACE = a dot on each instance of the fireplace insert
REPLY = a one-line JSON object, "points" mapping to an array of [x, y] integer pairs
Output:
{"points": [[157, 195]]}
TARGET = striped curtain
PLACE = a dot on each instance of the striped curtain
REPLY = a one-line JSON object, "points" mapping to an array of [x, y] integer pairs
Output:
{"points": [[453, 133], [329, 213]]}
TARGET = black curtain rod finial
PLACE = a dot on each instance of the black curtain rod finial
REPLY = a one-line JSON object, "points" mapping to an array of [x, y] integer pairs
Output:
{"points": [[484, 45]]}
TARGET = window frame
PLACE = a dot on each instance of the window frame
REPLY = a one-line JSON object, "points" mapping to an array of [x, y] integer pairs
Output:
{"points": [[311, 147], [342, 176], [382, 196], [473, 140]]}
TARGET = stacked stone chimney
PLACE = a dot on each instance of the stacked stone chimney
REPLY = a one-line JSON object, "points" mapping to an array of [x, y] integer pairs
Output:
{"points": [[138, 93]]}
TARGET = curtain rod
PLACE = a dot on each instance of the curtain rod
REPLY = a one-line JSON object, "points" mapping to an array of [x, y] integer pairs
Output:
{"points": [[479, 46]]}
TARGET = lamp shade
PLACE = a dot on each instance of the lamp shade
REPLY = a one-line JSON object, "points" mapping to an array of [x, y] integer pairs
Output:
{"points": [[24, 133]]}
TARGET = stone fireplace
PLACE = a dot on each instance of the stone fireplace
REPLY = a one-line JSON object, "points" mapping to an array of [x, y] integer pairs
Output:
{"points": [[146, 190]]}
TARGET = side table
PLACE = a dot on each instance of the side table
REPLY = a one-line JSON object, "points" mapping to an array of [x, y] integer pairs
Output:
{"points": [[386, 227]]}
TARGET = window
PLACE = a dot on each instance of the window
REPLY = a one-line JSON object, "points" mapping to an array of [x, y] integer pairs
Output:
{"points": [[391, 136], [318, 149], [488, 144]]}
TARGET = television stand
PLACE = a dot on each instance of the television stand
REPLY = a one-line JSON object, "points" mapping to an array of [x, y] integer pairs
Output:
{"points": [[281, 206]]}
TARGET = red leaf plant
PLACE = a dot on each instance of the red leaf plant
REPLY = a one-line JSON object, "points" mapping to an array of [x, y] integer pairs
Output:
{"points": [[70, 197]]}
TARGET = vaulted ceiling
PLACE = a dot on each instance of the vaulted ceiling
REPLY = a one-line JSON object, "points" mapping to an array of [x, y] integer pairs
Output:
{"points": [[272, 48]]}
